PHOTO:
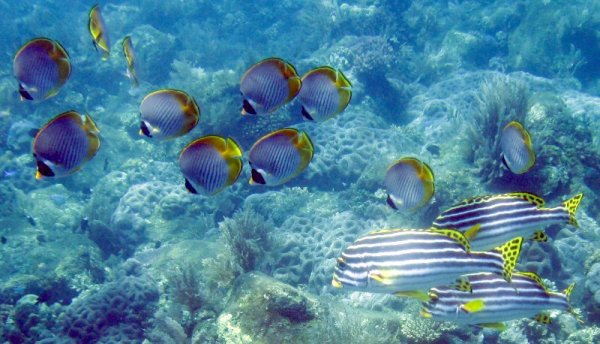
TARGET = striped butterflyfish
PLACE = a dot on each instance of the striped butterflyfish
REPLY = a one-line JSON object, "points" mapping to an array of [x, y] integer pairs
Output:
{"points": [[517, 150], [493, 300], [168, 113], [64, 144], [210, 164], [325, 92], [279, 156], [98, 31], [409, 183], [408, 262], [492, 220], [268, 85], [129, 54], [42, 67]]}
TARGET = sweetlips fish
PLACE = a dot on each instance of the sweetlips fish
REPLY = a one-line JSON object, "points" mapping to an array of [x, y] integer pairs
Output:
{"points": [[408, 262], [517, 150], [98, 31], [498, 218], [325, 92], [268, 85], [280, 156], [409, 183], [168, 113], [64, 144], [492, 300], [42, 67], [210, 164]]}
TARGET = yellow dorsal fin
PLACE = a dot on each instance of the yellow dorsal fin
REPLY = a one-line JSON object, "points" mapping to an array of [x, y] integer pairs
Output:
{"points": [[510, 252], [493, 326], [424, 313], [529, 197], [414, 294], [454, 234], [472, 232], [473, 306], [571, 206], [532, 276]]}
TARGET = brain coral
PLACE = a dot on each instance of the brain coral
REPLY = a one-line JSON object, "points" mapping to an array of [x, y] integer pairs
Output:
{"points": [[120, 309]]}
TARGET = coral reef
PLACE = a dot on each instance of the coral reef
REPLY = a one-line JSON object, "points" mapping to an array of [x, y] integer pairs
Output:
{"points": [[247, 236], [118, 312], [501, 101]]}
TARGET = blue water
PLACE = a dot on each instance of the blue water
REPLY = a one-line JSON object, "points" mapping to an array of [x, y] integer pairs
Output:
{"points": [[120, 252]]}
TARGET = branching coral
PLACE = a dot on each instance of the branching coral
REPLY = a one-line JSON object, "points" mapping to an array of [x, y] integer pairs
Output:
{"points": [[501, 100], [246, 235]]}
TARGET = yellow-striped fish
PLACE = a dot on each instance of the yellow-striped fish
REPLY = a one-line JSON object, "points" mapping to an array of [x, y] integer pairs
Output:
{"points": [[42, 67], [210, 164], [325, 92], [167, 114], [64, 144], [130, 58], [517, 150], [98, 31], [409, 183], [493, 300], [280, 156], [268, 85], [409, 261], [492, 220]]}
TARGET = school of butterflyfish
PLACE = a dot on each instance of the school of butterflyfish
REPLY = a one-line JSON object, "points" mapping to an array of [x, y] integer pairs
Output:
{"points": [[462, 268]]}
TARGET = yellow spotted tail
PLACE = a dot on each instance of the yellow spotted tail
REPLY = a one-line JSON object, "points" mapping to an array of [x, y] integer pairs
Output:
{"points": [[571, 206], [510, 252]]}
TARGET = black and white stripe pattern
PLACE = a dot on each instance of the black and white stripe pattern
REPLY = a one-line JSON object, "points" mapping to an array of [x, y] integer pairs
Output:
{"points": [[409, 260], [500, 218], [64, 143], [266, 85], [38, 71], [205, 167], [278, 156], [404, 186], [319, 95], [522, 297], [167, 111]]}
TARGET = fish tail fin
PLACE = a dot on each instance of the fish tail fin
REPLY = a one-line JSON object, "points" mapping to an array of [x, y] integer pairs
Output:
{"points": [[567, 292], [510, 252], [571, 206]]}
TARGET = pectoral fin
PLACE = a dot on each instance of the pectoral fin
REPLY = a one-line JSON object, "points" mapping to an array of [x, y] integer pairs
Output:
{"points": [[473, 306]]}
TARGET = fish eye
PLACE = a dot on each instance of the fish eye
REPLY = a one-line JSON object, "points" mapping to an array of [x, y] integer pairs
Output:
{"points": [[341, 264]]}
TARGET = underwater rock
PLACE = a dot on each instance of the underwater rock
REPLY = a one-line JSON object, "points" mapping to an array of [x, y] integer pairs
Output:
{"points": [[261, 309]]}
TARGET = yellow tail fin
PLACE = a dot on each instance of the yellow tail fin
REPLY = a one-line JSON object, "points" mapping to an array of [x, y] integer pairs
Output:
{"points": [[571, 206], [510, 254]]}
